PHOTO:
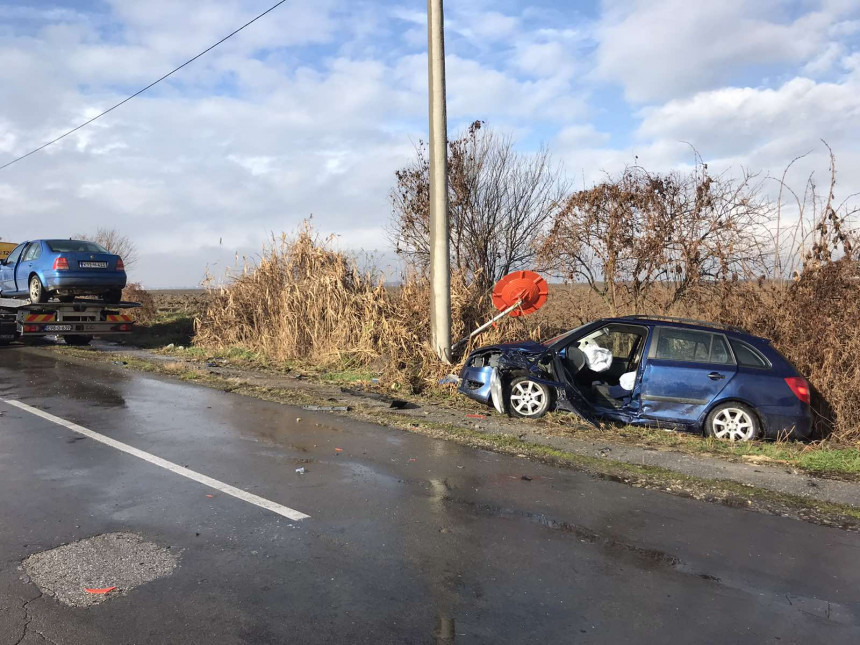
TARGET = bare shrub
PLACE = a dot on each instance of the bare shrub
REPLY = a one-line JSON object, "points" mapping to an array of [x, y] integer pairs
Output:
{"points": [[500, 200], [115, 242], [644, 240]]}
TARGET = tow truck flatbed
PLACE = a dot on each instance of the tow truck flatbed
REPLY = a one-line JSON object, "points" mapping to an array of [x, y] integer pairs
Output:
{"points": [[77, 321]]}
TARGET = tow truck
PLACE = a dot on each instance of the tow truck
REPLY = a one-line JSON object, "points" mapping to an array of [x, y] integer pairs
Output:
{"points": [[77, 322]]}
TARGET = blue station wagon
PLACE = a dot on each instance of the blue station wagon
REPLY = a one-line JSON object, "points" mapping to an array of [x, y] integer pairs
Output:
{"points": [[652, 371], [64, 268]]}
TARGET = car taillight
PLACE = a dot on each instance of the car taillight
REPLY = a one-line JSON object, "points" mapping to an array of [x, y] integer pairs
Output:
{"points": [[61, 264], [119, 265], [800, 387]]}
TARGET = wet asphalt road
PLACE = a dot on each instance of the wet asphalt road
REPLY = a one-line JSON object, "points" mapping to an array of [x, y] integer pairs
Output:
{"points": [[409, 540]]}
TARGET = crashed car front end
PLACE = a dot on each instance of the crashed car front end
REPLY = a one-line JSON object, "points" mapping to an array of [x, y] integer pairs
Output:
{"points": [[482, 375]]}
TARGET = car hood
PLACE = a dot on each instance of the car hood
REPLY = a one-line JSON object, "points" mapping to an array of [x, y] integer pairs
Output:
{"points": [[526, 347]]}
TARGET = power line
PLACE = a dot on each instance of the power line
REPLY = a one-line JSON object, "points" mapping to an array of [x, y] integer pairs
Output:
{"points": [[139, 92]]}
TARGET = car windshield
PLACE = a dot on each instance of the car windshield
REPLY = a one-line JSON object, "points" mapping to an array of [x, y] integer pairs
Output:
{"points": [[552, 341], [75, 246]]}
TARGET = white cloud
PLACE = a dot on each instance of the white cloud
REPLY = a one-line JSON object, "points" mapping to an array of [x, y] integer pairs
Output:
{"points": [[671, 48]]}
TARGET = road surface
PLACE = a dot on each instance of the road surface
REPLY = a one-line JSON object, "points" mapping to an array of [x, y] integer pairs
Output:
{"points": [[404, 539]]}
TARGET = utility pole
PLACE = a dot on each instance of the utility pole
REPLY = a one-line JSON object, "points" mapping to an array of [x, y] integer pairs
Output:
{"points": [[440, 262]]}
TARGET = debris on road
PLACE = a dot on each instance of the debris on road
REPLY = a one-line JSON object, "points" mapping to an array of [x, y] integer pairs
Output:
{"points": [[327, 408], [338, 449], [301, 470], [476, 416], [526, 478], [450, 379], [101, 591], [398, 404]]}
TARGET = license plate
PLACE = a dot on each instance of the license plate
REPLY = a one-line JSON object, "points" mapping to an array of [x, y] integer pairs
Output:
{"points": [[58, 328], [93, 265]]}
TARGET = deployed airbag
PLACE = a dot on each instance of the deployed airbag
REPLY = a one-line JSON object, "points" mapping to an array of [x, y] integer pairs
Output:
{"points": [[598, 358], [627, 381]]}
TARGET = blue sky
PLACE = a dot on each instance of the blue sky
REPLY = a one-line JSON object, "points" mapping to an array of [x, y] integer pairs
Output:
{"points": [[313, 108]]}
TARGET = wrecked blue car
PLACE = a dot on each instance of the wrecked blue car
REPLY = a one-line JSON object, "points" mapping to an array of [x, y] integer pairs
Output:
{"points": [[652, 371]]}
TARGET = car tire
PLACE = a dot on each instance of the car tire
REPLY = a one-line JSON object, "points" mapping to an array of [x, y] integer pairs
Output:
{"points": [[527, 399], [733, 422], [37, 290], [78, 341], [113, 297]]}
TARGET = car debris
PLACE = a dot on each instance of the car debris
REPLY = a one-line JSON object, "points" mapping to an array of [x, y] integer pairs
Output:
{"points": [[327, 408]]}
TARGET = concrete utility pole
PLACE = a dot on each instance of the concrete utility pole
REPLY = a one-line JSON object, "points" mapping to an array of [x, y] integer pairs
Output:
{"points": [[440, 266]]}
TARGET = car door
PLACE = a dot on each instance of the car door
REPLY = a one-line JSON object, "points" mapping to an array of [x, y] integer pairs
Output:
{"points": [[7, 271], [26, 266], [684, 371]]}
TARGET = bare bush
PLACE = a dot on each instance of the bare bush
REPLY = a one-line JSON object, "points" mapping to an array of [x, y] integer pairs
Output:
{"points": [[115, 242], [500, 200], [647, 239]]}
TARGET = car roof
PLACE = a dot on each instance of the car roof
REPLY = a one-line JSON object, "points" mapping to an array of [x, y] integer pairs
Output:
{"points": [[686, 323]]}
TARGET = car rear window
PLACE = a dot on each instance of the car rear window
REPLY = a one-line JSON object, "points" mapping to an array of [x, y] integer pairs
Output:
{"points": [[692, 346], [748, 356], [75, 246]]}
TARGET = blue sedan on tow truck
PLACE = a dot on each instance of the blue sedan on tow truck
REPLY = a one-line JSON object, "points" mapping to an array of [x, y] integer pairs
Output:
{"points": [[654, 371], [40, 269]]}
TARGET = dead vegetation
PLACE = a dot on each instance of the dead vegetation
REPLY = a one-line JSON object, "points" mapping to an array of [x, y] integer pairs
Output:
{"points": [[305, 301], [693, 245]]}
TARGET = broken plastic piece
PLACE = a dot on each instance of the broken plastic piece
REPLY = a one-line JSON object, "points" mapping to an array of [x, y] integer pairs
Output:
{"points": [[301, 470], [210, 496], [476, 416], [450, 379], [101, 591], [327, 408], [338, 449]]}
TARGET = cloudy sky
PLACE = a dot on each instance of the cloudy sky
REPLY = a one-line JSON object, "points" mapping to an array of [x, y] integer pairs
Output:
{"points": [[313, 108]]}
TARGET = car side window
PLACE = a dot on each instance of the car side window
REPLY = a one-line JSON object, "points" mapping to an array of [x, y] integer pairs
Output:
{"points": [[691, 346], [748, 356], [33, 252], [15, 254]]}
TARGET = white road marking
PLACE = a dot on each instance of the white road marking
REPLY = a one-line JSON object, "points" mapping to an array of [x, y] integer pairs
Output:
{"points": [[168, 465]]}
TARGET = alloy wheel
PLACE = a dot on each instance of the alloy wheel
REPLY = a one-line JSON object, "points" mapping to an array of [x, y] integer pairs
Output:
{"points": [[528, 398], [733, 424]]}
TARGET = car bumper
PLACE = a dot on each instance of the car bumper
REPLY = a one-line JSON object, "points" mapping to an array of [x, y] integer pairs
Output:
{"points": [[778, 425], [84, 281], [475, 382]]}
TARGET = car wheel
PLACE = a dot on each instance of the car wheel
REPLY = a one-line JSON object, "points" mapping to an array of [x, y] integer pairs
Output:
{"points": [[37, 290], [77, 341], [732, 422], [113, 296], [527, 398]]}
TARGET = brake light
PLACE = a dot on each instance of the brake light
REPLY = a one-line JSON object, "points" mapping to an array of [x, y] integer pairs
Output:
{"points": [[800, 387], [61, 264], [119, 265]]}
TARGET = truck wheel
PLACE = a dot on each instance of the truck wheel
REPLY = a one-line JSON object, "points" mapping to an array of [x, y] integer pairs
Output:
{"points": [[113, 296], [37, 290], [77, 341], [528, 398]]}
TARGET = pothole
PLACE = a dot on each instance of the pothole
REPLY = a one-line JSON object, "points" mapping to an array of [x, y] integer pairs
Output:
{"points": [[107, 565]]}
